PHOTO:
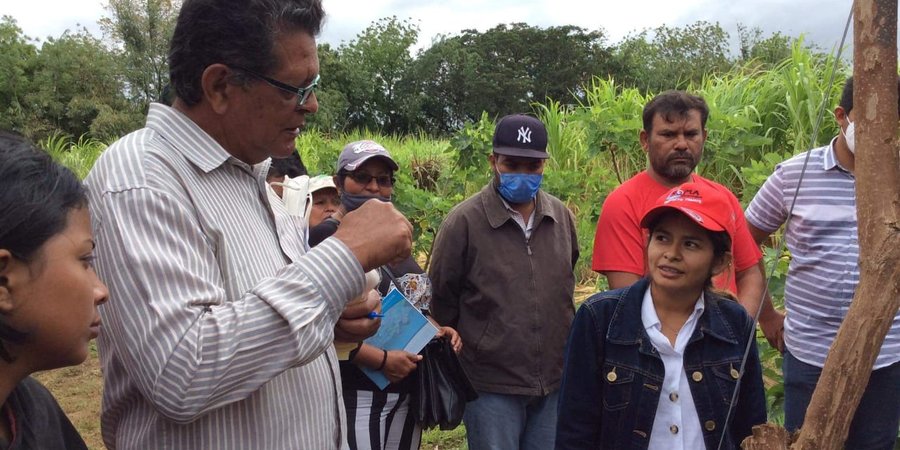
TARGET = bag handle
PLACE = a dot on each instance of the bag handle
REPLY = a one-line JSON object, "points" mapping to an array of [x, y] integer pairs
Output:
{"points": [[390, 275]]}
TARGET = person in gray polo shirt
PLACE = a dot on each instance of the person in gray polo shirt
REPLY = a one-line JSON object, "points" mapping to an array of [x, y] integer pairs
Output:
{"points": [[821, 234]]}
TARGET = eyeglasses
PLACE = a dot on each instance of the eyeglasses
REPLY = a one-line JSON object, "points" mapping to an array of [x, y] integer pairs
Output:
{"points": [[302, 93], [363, 179]]}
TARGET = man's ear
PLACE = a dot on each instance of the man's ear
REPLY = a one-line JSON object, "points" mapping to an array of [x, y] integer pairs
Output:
{"points": [[492, 159], [840, 116], [721, 264], [645, 140], [216, 87]]}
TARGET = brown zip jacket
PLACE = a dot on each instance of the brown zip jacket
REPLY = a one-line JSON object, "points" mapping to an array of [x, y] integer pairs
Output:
{"points": [[511, 299]]}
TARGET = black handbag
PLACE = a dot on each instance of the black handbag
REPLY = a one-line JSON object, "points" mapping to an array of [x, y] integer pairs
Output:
{"points": [[443, 389]]}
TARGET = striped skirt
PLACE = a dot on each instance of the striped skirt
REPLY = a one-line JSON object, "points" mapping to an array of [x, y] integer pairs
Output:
{"points": [[379, 420]]}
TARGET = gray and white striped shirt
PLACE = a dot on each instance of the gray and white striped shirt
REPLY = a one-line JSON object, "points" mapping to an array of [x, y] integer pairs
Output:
{"points": [[218, 333], [821, 235]]}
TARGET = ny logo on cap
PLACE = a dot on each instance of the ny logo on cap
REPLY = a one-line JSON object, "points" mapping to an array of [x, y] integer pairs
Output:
{"points": [[524, 135]]}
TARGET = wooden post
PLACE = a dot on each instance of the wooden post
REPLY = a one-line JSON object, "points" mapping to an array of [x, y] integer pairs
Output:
{"points": [[849, 363]]}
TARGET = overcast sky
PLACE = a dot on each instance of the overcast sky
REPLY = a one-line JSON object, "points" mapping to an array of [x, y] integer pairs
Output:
{"points": [[822, 21]]}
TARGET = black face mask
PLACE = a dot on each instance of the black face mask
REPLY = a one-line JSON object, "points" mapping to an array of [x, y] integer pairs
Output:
{"points": [[351, 202]]}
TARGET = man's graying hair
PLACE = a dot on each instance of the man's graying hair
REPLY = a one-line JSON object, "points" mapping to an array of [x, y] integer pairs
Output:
{"points": [[233, 32]]}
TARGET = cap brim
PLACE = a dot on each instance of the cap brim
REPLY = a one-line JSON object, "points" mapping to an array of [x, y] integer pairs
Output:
{"points": [[521, 152], [319, 188], [390, 161], [700, 219]]}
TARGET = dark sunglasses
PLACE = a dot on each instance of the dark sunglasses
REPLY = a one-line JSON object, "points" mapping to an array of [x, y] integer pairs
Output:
{"points": [[363, 179], [302, 93]]}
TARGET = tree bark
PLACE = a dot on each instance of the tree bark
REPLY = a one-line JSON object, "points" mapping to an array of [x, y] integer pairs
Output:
{"points": [[877, 298], [877, 169], [767, 436]]}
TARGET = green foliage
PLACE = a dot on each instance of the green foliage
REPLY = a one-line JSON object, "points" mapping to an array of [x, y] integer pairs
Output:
{"points": [[140, 31], [16, 51], [78, 156], [502, 71], [369, 72], [673, 57], [437, 439], [73, 77]]}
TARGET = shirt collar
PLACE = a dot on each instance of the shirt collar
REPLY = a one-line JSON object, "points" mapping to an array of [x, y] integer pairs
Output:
{"points": [[188, 138], [648, 312], [830, 160], [497, 209]]}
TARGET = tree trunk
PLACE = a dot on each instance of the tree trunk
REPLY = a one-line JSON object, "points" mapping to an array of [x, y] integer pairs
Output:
{"points": [[877, 299], [767, 436]]}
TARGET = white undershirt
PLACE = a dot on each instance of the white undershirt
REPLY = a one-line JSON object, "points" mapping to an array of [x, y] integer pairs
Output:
{"points": [[519, 219], [676, 426]]}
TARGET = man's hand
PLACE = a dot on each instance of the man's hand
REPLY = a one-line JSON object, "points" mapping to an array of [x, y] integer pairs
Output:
{"points": [[453, 335], [399, 364], [354, 324], [772, 324], [377, 234]]}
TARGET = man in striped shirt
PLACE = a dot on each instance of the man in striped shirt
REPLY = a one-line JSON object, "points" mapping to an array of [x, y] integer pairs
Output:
{"points": [[821, 234], [219, 333]]}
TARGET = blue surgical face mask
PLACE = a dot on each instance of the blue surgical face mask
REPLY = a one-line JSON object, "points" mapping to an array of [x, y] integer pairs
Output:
{"points": [[519, 187]]}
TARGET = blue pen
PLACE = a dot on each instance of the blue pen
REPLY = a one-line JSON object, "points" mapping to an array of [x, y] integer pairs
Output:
{"points": [[374, 315]]}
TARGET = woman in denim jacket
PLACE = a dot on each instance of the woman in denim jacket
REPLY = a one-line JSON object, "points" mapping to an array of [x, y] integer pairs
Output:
{"points": [[656, 365]]}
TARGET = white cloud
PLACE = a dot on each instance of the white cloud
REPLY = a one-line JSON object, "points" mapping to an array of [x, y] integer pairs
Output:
{"points": [[40, 19]]}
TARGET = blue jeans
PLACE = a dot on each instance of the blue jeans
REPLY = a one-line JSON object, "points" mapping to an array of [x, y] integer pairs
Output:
{"points": [[511, 422], [874, 426]]}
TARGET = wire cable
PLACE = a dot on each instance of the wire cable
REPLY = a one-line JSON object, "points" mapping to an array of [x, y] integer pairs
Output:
{"points": [[815, 136]]}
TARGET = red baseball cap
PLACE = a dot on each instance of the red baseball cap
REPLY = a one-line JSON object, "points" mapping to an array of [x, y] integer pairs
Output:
{"points": [[704, 204]]}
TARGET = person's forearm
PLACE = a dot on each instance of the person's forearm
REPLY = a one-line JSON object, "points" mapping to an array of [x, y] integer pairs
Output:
{"points": [[617, 280], [750, 286], [369, 356]]}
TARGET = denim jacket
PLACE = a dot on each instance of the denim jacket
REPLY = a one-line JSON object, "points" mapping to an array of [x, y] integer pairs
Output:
{"points": [[612, 376]]}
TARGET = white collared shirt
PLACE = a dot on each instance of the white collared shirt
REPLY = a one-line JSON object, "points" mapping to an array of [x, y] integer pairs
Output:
{"points": [[676, 425]]}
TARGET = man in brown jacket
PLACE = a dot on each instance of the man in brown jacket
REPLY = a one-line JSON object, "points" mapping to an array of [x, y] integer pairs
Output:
{"points": [[502, 272]]}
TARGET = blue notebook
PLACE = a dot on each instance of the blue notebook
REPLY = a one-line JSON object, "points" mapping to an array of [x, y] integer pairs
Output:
{"points": [[403, 327]]}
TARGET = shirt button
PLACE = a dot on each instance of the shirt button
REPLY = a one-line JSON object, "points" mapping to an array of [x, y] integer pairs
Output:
{"points": [[674, 429], [673, 396], [734, 373], [611, 376], [697, 376], [710, 425]]}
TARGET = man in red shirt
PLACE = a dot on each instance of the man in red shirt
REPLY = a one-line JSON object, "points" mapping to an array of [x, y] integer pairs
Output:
{"points": [[673, 137]]}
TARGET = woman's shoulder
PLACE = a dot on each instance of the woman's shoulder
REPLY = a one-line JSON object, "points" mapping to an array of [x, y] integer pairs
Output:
{"points": [[35, 409], [30, 391], [731, 311], [607, 301]]}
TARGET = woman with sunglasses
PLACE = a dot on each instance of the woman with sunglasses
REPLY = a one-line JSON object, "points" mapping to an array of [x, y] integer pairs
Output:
{"points": [[365, 170]]}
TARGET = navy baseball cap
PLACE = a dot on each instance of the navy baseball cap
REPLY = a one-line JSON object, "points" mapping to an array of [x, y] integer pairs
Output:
{"points": [[521, 135]]}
